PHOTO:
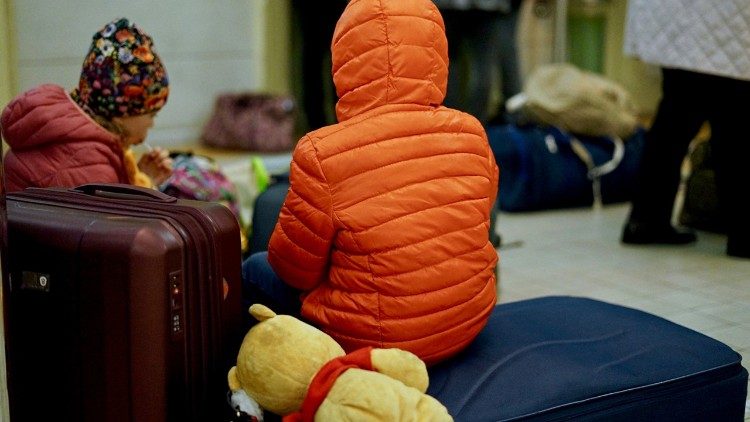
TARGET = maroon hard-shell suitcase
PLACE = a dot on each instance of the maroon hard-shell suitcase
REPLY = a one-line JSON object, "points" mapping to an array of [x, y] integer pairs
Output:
{"points": [[123, 304], [3, 267]]}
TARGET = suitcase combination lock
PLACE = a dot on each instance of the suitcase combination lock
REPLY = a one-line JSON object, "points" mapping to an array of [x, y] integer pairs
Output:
{"points": [[176, 296]]}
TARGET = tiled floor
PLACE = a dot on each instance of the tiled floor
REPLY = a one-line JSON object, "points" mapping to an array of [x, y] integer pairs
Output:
{"points": [[577, 252]]}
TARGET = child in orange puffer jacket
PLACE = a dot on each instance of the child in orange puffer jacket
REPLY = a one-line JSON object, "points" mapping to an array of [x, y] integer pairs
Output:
{"points": [[384, 230]]}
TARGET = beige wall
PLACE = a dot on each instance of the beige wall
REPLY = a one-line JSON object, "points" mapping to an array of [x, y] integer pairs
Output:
{"points": [[7, 84], [231, 45], [267, 58], [5, 94], [643, 81], [7, 61], [536, 39], [207, 47], [277, 70]]}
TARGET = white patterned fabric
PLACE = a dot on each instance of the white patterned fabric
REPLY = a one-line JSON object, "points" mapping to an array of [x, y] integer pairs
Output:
{"points": [[707, 36]]}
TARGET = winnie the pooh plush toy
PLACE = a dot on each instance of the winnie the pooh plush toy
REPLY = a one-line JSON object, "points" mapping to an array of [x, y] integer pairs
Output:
{"points": [[295, 370]]}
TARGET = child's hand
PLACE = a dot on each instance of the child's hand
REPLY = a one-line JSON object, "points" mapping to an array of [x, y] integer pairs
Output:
{"points": [[156, 164]]}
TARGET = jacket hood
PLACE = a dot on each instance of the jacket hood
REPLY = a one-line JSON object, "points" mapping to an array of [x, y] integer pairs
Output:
{"points": [[46, 114], [389, 52]]}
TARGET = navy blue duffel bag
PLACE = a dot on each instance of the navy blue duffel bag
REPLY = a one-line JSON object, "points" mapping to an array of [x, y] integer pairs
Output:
{"points": [[542, 167]]}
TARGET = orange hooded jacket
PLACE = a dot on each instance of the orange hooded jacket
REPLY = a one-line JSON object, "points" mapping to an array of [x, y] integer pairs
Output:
{"points": [[385, 225]]}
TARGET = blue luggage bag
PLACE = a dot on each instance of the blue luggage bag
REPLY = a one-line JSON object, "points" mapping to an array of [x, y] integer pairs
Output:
{"points": [[542, 167]]}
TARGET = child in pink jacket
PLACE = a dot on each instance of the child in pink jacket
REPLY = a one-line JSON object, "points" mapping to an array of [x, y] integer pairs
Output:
{"points": [[64, 139]]}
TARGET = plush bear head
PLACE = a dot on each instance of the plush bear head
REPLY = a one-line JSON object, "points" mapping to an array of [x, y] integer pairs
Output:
{"points": [[278, 358], [292, 368]]}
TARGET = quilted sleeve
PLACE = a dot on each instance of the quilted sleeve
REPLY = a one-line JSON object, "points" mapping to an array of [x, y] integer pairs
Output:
{"points": [[71, 177], [300, 244], [84, 162]]}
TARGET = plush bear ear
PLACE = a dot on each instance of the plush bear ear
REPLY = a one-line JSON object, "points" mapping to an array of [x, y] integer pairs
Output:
{"points": [[261, 312]]}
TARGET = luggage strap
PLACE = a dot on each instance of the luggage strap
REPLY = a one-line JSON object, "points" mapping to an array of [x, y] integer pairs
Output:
{"points": [[596, 172]]}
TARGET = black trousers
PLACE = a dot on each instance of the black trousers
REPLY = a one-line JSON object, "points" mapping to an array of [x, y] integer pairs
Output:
{"points": [[316, 21], [480, 42], [688, 100]]}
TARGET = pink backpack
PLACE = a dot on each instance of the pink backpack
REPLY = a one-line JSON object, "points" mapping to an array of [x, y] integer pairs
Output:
{"points": [[200, 178]]}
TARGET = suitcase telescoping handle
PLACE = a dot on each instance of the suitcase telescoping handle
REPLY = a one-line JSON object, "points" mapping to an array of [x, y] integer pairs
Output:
{"points": [[123, 191]]}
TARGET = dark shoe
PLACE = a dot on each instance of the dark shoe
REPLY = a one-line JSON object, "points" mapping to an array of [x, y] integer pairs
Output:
{"points": [[641, 234], [496, 240], [738, 249]]}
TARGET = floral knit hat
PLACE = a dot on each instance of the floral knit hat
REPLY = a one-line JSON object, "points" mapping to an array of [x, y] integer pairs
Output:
{"points": [[122, 75]]}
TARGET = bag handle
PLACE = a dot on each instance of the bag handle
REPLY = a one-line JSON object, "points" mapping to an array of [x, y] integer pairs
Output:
{"points": [[123, 191], [596, 172], [605, 168]]}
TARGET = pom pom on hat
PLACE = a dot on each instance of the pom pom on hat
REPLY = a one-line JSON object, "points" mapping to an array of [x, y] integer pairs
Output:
{"points": [[122, 75]]}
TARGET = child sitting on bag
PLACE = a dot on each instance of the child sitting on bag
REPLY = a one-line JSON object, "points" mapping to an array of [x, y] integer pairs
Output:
{"points": [[385, 226], [61, 139]]}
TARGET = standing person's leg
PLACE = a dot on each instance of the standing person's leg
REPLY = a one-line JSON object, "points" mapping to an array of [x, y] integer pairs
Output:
{"points": [[260, 284], [332, 10], [730, 145], [454, 32], [317, 21], [507, 54], [481, 39], [678, 119]]}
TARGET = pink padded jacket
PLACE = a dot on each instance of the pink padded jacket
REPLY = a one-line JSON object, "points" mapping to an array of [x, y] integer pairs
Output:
{"points": [[53, 142]]}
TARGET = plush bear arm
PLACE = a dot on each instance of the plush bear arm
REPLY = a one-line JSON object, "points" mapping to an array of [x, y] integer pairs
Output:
{"points": [[234, 383], [370, 396], [401, 365]]}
